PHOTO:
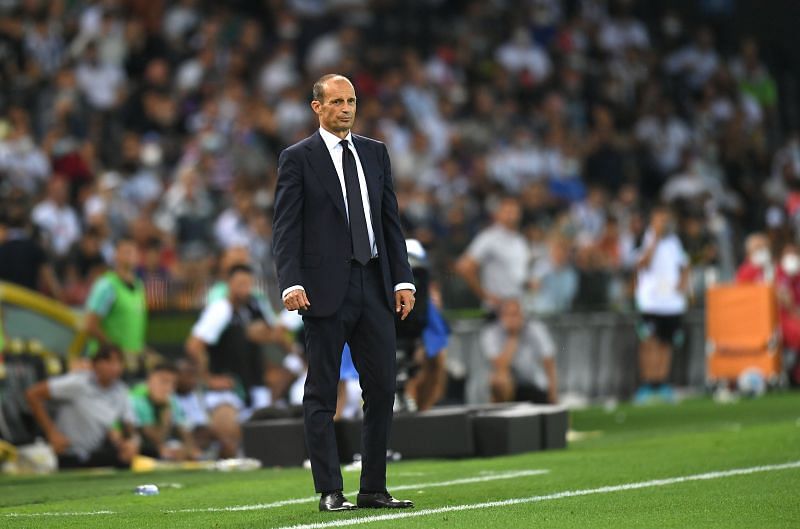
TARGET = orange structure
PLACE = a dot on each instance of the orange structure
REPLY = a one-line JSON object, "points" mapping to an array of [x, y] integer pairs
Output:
{"points": [[742, 332]]}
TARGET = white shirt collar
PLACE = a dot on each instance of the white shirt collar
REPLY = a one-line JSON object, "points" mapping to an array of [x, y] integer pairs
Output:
{"points": [[332, 140]]}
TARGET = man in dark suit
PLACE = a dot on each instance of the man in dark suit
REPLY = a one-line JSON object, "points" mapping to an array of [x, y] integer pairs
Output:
{"points": [[341, 261]]}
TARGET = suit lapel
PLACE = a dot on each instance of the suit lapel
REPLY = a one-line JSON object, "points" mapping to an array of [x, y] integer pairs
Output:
{"points": [[371, 172], [322, 164]]}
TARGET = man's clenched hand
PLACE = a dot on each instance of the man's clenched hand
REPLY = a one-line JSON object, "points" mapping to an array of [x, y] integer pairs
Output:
{"points": [[296, 299], [404, 302]]}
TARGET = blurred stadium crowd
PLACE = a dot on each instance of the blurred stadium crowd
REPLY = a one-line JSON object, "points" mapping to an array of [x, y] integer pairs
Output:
{"points": [[529, 141], [163, 120]]}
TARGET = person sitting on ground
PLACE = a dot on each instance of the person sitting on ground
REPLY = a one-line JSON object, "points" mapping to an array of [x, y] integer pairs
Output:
{"points": [[190, 400], [159, 419], [226, 344], [276, 377], [522, 356], [93, 424]]}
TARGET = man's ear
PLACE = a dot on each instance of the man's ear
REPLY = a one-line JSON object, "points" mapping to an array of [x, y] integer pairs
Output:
{"points": [[315, 106]]}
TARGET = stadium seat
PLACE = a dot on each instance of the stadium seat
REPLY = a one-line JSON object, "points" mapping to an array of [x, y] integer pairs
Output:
{"points": [[742, 332]]}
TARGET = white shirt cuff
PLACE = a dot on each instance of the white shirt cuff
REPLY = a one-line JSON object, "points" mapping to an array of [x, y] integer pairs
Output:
{"points": [[290, 289], [405, 286], [398, 286]]}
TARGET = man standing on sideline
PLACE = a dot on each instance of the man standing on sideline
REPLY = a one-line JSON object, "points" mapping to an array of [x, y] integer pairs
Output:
{"points": [[116, 310], [661, 283], [495, 265], [341, 261]]}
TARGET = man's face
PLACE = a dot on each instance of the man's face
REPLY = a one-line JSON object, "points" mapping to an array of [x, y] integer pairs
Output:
{"points": [[152, 258], [243, 201], [233, 256], [108, 370], [160, 385], [337, 110], [509, 214], [127, 255], [660, 220], [240, 285], [758, 251], [58, 191], [186, 380]]}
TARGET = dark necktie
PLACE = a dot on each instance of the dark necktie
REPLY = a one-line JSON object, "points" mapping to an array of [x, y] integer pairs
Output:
{"points": [[355, 207]]}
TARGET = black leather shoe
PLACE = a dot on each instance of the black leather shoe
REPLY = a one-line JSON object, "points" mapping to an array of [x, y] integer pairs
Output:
{"points": [[381, 500], [334, 502]]}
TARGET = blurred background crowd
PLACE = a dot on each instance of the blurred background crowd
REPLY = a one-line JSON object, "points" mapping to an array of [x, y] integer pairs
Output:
{"points": [[529, 142], [163, 120]]}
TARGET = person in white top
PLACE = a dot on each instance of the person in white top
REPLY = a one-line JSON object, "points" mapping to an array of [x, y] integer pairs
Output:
{"points": [[495, 265], [661, 297], [57, 219]]}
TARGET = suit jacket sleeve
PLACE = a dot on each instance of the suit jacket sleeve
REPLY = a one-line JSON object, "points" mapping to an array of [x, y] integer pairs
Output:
{"points": [[392, 232], [287, 222]]}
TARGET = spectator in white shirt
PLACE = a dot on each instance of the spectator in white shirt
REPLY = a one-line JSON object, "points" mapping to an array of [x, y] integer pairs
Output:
{"points": [[279, 71], [44, 44], [57, 219], [522, 56], [696, 62], [622, 32], [664, 136], [101, 84], [24, 164], [231, 228]]}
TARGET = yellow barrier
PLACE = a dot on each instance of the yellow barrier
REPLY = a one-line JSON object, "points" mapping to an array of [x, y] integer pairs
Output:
{"points": [[11, 294]]}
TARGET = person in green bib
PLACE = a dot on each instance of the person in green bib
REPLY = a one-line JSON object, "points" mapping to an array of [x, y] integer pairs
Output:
{"points": [[116, 309], [159, 418]]}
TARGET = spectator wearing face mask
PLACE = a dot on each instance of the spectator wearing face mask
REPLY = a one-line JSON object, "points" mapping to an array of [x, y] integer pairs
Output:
{"points": [[757, 267], [787, 286]]}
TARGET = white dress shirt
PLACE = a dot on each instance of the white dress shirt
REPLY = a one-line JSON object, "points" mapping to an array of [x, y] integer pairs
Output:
{"points": [[334, 145]]}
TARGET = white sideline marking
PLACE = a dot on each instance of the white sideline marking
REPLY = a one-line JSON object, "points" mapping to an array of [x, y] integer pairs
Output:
{"points": [[31, 514], [293, 501], [546, 497], [281, 503]]}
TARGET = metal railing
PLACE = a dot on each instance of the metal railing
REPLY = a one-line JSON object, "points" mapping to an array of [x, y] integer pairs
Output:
{"points": [[596, 355]]}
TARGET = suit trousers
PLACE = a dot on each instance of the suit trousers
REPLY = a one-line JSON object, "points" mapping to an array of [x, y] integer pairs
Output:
{"points": [[366, 323]]}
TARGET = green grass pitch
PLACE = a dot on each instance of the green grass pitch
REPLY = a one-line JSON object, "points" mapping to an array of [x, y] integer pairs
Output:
{"points": [[735, 466]]}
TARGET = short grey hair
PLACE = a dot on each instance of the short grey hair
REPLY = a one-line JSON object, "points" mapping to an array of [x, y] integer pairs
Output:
{"points": [[318, 92]]}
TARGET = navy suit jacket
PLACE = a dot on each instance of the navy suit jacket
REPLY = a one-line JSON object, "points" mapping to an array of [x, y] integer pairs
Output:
{"points": [[311, 237]]}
